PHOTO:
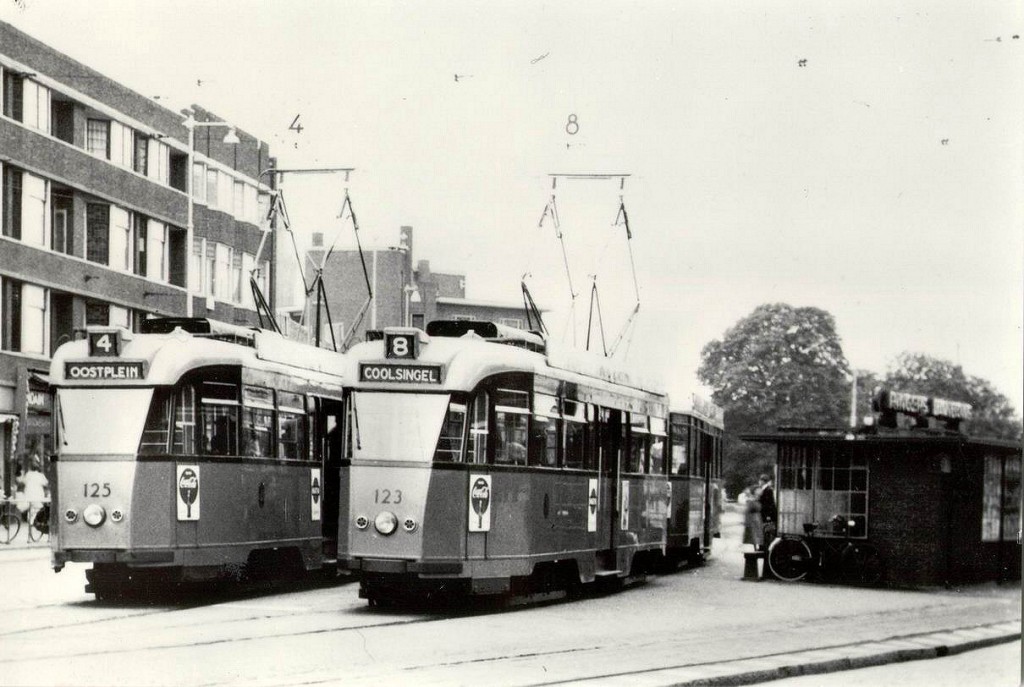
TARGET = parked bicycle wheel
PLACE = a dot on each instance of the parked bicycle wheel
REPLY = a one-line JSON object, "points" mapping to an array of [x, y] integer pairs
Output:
{"points": [[862, 564], [790, 559], [10, 523], [40, 524]]}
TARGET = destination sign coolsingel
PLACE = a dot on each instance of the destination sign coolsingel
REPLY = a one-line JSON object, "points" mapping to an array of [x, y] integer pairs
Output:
{"points": [[106, 370], [402, 374]]}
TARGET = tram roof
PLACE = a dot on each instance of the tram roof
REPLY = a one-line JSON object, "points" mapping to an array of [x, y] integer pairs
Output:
{"points": [[167, 356], [469, 359], [875, 436]]}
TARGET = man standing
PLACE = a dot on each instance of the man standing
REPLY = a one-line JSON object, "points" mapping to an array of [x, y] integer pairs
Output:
{"points": [[769, 511]]}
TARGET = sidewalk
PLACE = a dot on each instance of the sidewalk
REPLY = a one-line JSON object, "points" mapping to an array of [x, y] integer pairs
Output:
{"points": [[769, 667], [21, 540]]}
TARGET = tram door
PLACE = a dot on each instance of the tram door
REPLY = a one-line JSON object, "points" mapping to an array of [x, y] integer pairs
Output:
{"points": [[610, 450], [330, 417]]}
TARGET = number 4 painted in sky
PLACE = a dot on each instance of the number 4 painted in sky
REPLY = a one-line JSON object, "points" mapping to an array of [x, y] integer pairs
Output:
{"points": [[295, 126]]}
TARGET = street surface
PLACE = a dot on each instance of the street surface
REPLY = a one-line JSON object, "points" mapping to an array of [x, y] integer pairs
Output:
{"points": [[56, 634]]}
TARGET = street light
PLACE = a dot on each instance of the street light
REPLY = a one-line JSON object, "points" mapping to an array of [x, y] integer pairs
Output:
{"points": [[232, 138]]}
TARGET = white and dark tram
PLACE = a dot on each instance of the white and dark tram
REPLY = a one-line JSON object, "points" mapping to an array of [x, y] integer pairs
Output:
{"points": [[477, 460], [194, 450]]}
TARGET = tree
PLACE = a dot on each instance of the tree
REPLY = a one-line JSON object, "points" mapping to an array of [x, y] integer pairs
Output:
{"points": [[992, 414], [778, 366]]}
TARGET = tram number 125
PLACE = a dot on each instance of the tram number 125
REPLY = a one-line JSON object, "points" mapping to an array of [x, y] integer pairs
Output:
{"points": [[387, 496], [95, 490]]}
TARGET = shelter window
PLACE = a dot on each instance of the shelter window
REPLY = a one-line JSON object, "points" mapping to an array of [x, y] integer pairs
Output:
{"points": [[1000, 501], [291, 441], [826, 485], [511, 419], [218, 419], [449, 444], [545, 431], [258, 421]]}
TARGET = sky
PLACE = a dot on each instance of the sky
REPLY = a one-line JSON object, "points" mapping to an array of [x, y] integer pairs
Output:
{"points": [[860, 157]]}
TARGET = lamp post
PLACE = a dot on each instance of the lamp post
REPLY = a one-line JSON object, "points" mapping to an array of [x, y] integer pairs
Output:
{"points": [[230, 137]]}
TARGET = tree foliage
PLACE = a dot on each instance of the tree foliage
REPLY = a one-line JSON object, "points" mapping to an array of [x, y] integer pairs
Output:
{"points": [[778, 366], [992, 414]]}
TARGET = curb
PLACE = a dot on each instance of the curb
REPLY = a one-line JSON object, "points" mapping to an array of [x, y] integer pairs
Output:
{"points": [[749, 671]]}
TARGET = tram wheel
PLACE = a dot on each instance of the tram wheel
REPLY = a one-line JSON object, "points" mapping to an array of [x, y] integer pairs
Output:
{"points": [[789, 559]]}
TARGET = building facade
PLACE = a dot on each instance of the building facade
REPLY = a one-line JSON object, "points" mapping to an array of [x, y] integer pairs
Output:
{"points": [[98, 227], [404, 294]]}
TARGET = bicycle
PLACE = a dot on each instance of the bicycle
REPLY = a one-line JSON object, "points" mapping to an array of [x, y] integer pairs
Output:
{"points": [[40, 524], [792, 557], [10, 521]]}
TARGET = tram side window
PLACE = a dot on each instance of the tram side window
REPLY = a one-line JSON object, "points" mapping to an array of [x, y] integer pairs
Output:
{"points": [[592, 439], [183, 442], [449, 444], [657, 465], [511, 419], [575, 437], [218, 419], [544, 431], [697, 451], [476, 452], [680, 448], [156, 436], [257, 422], [638, 440], [291, 442]]}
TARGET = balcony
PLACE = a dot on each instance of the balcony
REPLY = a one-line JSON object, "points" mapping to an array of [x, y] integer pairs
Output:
{"points": [[62, 162]]}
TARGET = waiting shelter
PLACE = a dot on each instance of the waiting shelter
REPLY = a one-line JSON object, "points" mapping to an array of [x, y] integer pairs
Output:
{"points": [[941, 506]]}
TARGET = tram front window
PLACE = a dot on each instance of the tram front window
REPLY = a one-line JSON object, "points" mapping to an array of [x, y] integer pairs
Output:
{"points": [[396, 426], [102, 421]]}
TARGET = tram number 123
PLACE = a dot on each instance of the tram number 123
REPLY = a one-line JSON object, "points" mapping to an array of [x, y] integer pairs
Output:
{"points": [[387, 496]]}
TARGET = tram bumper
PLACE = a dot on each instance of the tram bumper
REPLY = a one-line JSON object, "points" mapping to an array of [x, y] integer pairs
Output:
{"points": [[400, 567]]}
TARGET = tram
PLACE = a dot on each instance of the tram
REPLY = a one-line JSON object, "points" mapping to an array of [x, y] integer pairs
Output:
{"points": [[194, 450], [695, 475], [479, 460]]}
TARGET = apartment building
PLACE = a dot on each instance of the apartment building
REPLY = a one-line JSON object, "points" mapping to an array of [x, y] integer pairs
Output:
{"points": [[98, 226]]}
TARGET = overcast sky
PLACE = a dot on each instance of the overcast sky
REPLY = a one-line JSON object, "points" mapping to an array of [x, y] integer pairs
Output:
{"points": [[861, 157]]}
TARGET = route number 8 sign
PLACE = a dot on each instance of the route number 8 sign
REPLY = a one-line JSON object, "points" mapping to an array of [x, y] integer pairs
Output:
{"points": [[400, 346]]}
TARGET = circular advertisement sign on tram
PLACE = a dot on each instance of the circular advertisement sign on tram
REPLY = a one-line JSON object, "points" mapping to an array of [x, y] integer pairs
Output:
{"points": [[480, 501], [188, 489]]}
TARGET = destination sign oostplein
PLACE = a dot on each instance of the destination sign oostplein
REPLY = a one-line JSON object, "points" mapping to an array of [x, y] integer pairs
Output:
{"points": [[400, 374], [94, 371]]}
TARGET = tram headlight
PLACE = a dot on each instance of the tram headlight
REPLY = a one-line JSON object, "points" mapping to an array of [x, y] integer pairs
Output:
{"points": [[94, 515], [386, 523], [70, 515], [409, 524]]}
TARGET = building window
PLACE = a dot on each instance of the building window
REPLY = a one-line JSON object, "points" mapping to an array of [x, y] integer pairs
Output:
{"points": [[61, 234], [160, 165], [97, 138], [511, 322], [34, 320], [156, 250], [34, 223], [97, 233], [211, 269], [817, 484], [248, 265], [97, 314], [211, 187], [10, 310], [36, 112], [12, 202], [14, 91], [195, 267], [238, 200], [122, 145], [121, 248], [141, 162], [140, 226], [236, 276], [199, 182], [263, 210], [120, 317]]}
